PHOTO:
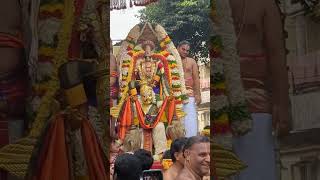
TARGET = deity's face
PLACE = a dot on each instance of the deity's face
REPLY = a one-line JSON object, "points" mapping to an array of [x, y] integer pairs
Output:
{"points": [[146, 94], [148, 50], [148, 47]]}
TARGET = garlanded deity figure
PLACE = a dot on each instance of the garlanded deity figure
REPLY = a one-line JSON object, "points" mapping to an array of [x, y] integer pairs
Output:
{"points": [[68, 140], [152, 88]]}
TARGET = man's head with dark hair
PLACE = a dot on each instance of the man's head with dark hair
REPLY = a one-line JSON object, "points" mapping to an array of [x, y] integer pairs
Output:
{"points": [[184, 42], [176, 150], [145, 158], [127, 167], [197, 154], [166, 155], [183, 49]]}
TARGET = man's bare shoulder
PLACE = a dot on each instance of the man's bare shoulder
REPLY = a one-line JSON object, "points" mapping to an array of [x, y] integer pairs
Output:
{"points": [[184, 175], [192, 61], [167, 176]]}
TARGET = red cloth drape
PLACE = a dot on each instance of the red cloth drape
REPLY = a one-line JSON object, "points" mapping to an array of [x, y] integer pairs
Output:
{"points": [[7, 40], [53, 159], [93, 152], [53, 162]]}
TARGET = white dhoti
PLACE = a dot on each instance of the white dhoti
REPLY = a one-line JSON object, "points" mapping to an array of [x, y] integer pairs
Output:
{"points": [[257, 150], [191, 118]]}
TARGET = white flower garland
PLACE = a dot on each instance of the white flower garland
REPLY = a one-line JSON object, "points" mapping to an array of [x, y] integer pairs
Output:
{"points": [[175, 56], [227, 64], [169, 51]]}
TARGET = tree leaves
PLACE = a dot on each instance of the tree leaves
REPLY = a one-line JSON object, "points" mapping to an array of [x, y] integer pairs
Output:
{"points": [[183, 20]]}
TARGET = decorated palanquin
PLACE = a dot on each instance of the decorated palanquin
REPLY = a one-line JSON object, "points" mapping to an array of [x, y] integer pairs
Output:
{"points": [[68, 137], [152, 87]]}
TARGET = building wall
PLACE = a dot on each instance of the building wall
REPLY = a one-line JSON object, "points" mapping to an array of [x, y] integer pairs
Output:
{"points": [[304, 65], [300, 163], [203, 118], [204, 111], [116, 50]]}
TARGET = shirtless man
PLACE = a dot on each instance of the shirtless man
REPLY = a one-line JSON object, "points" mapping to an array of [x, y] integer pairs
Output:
{"points": [[191, 75], [115, 150], [176, 151], [197, 155], [264, 75]]}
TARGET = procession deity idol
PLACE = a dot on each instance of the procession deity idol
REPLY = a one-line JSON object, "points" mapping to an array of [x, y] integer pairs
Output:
{"points": [[152, 89]]}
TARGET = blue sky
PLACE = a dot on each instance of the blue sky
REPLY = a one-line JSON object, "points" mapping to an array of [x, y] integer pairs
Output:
{"points": [[121, 21]]}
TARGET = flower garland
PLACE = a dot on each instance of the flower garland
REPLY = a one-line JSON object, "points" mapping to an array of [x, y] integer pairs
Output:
{"points": [[175, 64], [205, 132], [16, 157], [221, 122], [166, 58], [51, 10], [46, 50], [166, 163], [230, 111], [129, 50], [60, 56], [174, 75]]}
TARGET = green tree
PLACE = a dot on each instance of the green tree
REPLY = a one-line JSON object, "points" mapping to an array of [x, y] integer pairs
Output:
{"points": [[183, 20]]}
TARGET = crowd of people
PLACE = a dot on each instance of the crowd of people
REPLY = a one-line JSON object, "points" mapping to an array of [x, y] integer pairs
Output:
{"points": [[190, 160]]}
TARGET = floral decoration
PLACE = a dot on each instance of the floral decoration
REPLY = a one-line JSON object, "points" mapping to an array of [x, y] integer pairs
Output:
{"points": [[229, 105]]}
